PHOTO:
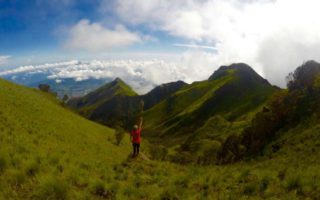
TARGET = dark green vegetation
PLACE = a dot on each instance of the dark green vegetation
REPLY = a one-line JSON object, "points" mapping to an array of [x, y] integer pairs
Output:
{"points": [[269, 149]]}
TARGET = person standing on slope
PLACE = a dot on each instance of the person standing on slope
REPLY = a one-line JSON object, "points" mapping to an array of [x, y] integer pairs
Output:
{"points": [[136, 138], [136, 133]]}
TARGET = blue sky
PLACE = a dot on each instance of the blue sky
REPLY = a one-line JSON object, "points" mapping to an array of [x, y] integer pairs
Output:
{"points": [[31, 25], [38, 28], [197, 36]]}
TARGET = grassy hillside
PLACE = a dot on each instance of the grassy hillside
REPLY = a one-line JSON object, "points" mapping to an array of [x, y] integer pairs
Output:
{"points": [[291, 172], [234, 93], [48, 152]]}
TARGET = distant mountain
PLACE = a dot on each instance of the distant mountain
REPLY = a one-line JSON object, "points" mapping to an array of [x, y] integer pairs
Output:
{"points": [[117, 104], [71, 87], [61, 86]]}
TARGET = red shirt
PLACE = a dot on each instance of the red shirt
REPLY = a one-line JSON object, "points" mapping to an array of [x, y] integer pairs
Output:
{"points": [[136, 136]]}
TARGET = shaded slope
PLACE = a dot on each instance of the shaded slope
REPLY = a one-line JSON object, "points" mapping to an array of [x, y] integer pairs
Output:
{"points": [[44, 146]]}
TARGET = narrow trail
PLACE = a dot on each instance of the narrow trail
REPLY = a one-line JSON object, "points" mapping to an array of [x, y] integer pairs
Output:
{"points": [[144, 157], [141, 156]]}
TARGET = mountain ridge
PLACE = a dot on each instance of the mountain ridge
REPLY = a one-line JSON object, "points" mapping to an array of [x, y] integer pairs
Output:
{"points": [[176, 110], [119, 108]]}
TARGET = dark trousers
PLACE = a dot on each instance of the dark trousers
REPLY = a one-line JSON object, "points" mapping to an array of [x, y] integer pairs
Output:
{"points": [[136, 148]]}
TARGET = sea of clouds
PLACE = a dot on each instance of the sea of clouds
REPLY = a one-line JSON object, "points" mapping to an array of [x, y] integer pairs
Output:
{"points": [[142, 75]]}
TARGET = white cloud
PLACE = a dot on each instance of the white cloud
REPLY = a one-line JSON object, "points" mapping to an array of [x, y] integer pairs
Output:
{"points": [[142, 74], [37, 68], [94, 37], [4, 59], [196, 46], [274, 36]]}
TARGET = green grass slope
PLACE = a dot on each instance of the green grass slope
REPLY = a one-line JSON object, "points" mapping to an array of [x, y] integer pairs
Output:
{"points": [[48, 152], [291, 172]]}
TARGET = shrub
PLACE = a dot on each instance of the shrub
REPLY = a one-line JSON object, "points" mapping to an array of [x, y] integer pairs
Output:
{"points": [[158, 152], [264, 183], [98, 188], [120, 133], [78, 180], [44, 87], [18, 178], [293, 183], [52, 188], [169, 195], [249, 188], [208, 151], [282, 174], [182, 181], [32, 167], [3, 164], [129, 191]]}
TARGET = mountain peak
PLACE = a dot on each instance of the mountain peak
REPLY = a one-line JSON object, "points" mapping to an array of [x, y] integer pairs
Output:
{"points": [[116, 81], [118, 86], [241, 70]]}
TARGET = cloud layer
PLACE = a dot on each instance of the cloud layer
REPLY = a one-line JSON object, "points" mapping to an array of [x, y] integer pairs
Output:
{"points": [[94, 37], [141, 75], [275, 36]]}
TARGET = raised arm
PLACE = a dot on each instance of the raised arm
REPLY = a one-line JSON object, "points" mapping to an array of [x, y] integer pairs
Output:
{"points": [[141, 113], [140, 122]]}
